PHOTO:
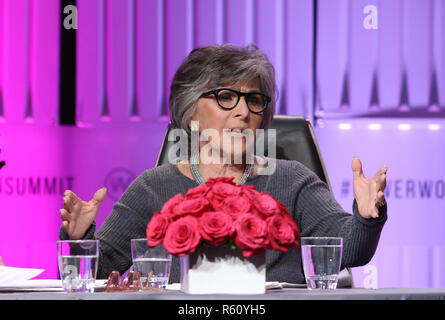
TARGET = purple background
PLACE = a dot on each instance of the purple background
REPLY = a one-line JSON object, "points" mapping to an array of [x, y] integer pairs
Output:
{"points": [[128, 51]]}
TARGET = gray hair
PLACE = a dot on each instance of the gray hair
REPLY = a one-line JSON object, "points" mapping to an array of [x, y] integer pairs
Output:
{"points": [[210, 67]]}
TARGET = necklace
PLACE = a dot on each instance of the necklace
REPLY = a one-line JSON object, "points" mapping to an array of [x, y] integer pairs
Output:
{"points": [[200, 180]]}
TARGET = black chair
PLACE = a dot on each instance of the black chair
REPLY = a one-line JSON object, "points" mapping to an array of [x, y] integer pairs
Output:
{"points": [[295, 140]]}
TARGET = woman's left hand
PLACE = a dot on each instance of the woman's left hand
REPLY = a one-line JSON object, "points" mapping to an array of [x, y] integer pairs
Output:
{"points": [[368, 192]]}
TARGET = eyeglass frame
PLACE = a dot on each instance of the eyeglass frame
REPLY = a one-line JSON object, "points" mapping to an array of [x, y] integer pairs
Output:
{"points": [[239, 94]]}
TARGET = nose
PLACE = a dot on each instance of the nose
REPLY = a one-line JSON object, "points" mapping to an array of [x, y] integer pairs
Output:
{"points": [[241, 110]]}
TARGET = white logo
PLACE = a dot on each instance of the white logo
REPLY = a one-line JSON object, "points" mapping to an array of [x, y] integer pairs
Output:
{"points": [[371, 20], [70, 272], [70, 21]]}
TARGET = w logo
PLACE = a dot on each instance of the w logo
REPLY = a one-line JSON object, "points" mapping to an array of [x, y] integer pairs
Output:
{"points": [[117, 181]]}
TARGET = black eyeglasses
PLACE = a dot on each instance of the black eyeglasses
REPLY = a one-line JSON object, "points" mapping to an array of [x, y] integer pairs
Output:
{"points": [[228, 99]]}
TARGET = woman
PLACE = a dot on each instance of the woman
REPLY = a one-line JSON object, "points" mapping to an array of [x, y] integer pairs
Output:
{"points": [[228, 90]]}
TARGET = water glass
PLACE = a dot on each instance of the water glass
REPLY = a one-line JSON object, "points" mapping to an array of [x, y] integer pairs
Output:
{"points": [[77, 260], [321, 261], [154, 262]]}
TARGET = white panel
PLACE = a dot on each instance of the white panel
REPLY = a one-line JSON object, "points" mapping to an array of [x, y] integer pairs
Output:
{"points": [[45, 66], [298, 58], [438, 267], [178, 37], [417, 50], [269, 36], [415, 275], [332, 35], [390, 53], [239, 22], [209, 28], [439, 47], [383, 271], [362, 56], [150, 58], [15, 59], [90, 83], [415, 188], [119, 53], [389, 266]]}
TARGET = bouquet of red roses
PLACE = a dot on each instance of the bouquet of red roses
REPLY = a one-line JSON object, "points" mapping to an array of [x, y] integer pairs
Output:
{"points": [[219, 212]]}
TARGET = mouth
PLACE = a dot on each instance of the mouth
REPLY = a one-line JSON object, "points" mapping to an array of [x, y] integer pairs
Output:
{"points": [[235, 131]]}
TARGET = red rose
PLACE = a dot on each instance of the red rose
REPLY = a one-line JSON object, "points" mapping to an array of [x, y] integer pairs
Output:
{"points": [[235, 206], [215, 227], [282, 232], [219, 210], [182, 236], [219, 191], [211, 181], [292, 224], [193, 207], [250, 234], [169, 207], [156, 229], [197, 192], [249, 192], [266, 205]]}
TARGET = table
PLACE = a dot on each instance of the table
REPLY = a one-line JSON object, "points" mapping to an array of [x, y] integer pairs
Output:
{"points": [[347, 303], [274, 294]]}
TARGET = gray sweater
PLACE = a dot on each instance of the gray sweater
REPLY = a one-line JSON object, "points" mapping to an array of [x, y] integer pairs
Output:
{"points": [[308, 199]]}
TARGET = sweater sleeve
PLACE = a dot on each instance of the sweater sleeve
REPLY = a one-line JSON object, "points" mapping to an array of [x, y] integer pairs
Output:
{"points": [[319, 214]]}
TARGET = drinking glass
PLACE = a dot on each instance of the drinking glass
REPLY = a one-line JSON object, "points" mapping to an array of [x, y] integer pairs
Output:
{"points": [[321, 261], [77, 260], [153, 262]]}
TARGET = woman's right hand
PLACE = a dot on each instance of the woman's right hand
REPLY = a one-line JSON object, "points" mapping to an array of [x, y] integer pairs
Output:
{"points": [[78, 215]]}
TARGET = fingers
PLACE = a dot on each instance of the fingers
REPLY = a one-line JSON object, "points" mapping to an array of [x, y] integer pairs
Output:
{"points": [[64, 214], [70, 200], [356, 167], [380, 178], [99, 196], [380, 197], [66, 199], [379, 202], [65, 226], [382, 170]]}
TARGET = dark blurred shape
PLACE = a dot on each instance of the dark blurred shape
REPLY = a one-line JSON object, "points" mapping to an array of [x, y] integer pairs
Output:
{"points": [[434, 94], [404, 103], [67, 86], [374, 103]]}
